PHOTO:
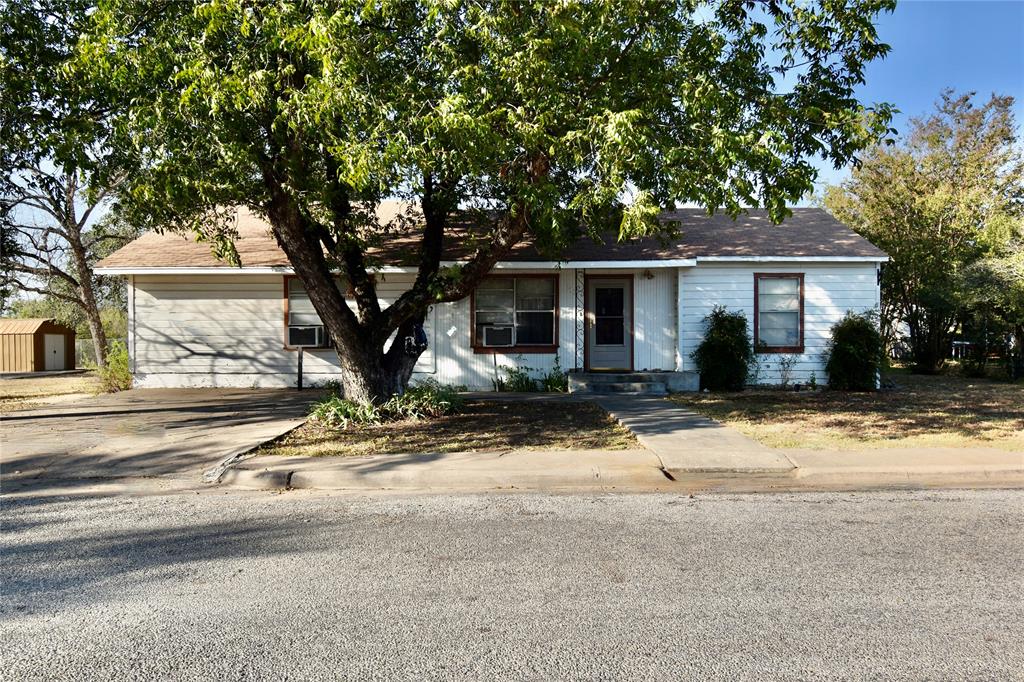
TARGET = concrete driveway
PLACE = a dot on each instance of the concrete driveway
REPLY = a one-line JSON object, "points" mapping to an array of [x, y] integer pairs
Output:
{"points": [[170, 433]]}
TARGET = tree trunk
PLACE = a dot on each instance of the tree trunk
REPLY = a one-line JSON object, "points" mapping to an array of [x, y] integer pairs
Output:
{"points": [[99, 337], [369, 375], [83, 273]]}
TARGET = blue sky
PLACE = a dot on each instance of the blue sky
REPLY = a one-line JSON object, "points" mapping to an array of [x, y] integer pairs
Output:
{"points": [[966, 45]]}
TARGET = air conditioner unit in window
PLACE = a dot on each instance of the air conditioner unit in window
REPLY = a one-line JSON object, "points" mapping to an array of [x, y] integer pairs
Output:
{"points": [[306, 337], [498, 335]]}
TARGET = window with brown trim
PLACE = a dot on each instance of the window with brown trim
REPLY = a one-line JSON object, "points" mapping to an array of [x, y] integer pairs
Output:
{"points": [[779, 312], [516, 313]]}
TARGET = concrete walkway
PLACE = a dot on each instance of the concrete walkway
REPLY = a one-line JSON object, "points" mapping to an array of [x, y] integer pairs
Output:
{"points": [[174, 434], [689, 443]]}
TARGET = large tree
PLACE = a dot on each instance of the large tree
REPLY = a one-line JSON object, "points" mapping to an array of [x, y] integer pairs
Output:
{"points": [[55, 182], [946, 197], [555, 120]]}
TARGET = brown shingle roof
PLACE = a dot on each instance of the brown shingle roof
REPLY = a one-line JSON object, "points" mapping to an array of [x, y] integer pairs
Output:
{"points": [[809, 232]]}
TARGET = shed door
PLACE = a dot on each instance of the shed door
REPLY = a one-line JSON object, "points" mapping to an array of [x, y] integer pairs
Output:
{"points": [[53, 345]]}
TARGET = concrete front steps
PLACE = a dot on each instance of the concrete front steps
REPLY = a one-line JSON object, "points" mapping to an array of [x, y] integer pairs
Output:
{"points": [[632, 383]]}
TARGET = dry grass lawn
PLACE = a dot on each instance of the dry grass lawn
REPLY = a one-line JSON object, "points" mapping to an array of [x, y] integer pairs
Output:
{"points": [[919, 411], [24, 393], [481, 426]]}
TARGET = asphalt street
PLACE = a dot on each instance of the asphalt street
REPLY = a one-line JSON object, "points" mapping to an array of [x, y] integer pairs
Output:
{"points": [[235, 585]]}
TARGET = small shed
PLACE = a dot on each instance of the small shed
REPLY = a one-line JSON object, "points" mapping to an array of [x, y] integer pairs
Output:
{"points": [[35, 345]]}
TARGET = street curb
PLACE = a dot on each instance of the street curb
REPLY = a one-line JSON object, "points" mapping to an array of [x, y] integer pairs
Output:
{"points": [[625, 478], [586, 477]]}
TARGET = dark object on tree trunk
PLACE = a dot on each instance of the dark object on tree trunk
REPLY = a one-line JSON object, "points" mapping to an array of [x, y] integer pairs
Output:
{"points": [[417, 343]]}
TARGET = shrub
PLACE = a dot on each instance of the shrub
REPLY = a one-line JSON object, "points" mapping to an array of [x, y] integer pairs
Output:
{"points": [[855, 353], [425, 400], [725, 355], [116, 376], [786, 364], [556, 380], [517, 380]]}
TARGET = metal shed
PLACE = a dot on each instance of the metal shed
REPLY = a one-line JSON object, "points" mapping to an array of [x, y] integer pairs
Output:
{"points": [[35, 345]]}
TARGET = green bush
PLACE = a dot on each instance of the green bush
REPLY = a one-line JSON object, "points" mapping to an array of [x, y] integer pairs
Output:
{"points": [[556, 380], [725, 355], [425, 400], [517, 380], [855, 353], [117, 375]]}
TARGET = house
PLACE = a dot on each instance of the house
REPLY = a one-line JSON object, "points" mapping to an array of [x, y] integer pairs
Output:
{"points": [[622, 307], [36, 345]]}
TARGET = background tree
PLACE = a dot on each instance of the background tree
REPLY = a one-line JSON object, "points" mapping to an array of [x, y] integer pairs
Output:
{"points": [[522, 119], [54, 180], [993, 310], [948, 196]]}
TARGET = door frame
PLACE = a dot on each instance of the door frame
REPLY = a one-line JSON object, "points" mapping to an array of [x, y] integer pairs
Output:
{"points": [[588, 327]]}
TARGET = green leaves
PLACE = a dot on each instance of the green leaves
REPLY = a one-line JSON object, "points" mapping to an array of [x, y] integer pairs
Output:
{"points": [[942, 202], [616, 96]]}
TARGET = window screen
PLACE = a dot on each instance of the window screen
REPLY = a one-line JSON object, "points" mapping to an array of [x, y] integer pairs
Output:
{"points": [[778, 311]]}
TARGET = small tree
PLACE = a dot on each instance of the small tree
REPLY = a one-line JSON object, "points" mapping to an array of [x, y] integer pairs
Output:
{"points": [[725, 354], [855, 353]]}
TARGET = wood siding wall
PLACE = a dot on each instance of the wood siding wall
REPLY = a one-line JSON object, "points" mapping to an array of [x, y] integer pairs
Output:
{"points": [[17, 353], [830, 290], [228, 330]]}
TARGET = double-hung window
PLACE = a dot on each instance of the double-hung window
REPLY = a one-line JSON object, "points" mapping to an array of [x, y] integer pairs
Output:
{"points": [[779, 313], [304, 325], [518, 313]]}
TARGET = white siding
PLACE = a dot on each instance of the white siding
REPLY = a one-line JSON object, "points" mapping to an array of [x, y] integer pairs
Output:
{"points": [[829, 292], [458, 364], [228, 330], [654, 319]]}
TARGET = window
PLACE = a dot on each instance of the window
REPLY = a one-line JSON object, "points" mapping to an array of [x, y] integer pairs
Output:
{"points": [[609, 316], [779, 313], [515, 312], [304, 325]]}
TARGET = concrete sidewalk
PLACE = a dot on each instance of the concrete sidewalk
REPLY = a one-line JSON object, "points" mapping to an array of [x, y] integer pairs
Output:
{"points": [[687, 442], [909, 466]]}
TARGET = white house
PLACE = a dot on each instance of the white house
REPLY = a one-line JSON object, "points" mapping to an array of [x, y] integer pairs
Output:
{"points": [[634, 307]]}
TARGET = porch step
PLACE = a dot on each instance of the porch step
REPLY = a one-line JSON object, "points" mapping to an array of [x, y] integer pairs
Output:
{"points": [[636, 387], [640, 383], [621, 377]]}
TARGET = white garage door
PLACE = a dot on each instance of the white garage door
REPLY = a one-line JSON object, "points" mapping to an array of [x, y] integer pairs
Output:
{"points": [[53, 345]]}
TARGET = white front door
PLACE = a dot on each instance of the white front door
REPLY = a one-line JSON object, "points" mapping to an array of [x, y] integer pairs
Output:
{"points": [[53, 346], [609, 323]]}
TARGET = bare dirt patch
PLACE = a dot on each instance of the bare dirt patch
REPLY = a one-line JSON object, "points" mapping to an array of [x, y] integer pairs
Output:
{"points": [[918, 411], [28, 392], [482, 426]]}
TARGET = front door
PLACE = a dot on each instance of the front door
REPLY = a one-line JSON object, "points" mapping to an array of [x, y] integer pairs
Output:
{"points": [[53, 345], [609, 323]]}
